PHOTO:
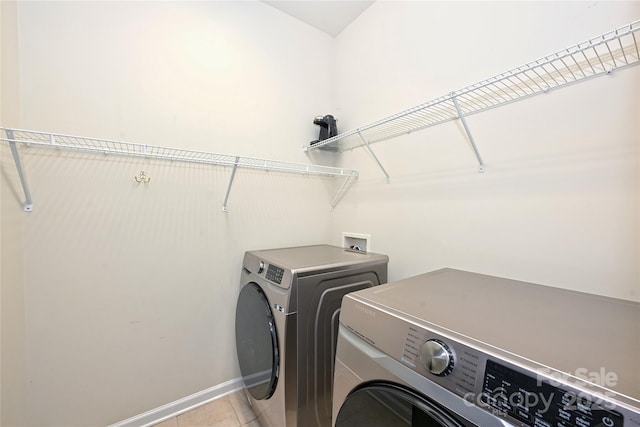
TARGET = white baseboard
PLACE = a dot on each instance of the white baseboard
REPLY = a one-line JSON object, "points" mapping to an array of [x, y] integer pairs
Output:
{"points": [[179, 406]]}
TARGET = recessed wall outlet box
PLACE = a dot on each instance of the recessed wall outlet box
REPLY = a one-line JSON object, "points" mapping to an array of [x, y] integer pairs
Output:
{"points": [[356, 241]]}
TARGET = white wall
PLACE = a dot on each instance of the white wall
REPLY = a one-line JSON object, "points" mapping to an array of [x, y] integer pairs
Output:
{"points": [[558, 203], [130, 290], [13, 389], [1, 10]]}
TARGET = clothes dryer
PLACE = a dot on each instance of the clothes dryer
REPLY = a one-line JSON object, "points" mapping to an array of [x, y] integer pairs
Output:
{"points": [[287, 323], [453, 348]]}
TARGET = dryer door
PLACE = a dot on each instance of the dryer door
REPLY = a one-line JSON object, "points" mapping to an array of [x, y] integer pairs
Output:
{"points": [[385, 404], [256, 342]]}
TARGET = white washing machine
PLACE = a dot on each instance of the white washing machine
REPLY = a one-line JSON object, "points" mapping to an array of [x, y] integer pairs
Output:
{"points": [[287, 327], [453, 348]]}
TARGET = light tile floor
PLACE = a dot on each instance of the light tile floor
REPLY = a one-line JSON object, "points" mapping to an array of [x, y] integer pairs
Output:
{"points": [[232, 410]]}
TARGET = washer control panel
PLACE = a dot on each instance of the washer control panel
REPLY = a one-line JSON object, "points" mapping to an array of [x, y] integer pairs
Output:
{"points": [[535, 402], [504, 386], [503, 389], [455, 367], [274, 274]]}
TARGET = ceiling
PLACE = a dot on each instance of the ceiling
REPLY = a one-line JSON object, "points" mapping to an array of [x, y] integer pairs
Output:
{"points": [[328, 16]]}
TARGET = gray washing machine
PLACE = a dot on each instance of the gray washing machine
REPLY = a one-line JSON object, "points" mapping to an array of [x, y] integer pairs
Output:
{"points": [[287, 327], [459, 349]]}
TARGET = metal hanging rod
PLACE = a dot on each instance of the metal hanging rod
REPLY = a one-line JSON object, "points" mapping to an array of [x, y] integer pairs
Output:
{"points": [[121, 148], [598, 56]]}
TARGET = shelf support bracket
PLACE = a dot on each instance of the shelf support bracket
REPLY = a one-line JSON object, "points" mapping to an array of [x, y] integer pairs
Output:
{"points": [[366, 144], [28, 204], [468, 132], [340, 192], [233, 175]]}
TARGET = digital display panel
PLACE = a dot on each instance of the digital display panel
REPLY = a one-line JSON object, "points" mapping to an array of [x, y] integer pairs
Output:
{"points": [[275, 274], [536, 403]]}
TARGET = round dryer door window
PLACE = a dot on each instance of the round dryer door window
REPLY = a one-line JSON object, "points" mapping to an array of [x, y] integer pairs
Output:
{"points": [[381, 404], [256, 342]]}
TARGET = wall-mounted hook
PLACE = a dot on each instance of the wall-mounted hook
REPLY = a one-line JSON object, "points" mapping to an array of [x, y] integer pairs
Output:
{"points": [[142, 177]]}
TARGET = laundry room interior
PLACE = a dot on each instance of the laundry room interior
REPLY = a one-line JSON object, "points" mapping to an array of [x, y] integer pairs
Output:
{"points": [[119, 281]]}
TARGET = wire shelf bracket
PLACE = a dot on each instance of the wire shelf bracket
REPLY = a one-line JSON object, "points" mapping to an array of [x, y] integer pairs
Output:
{"points": [[468, 132], [340, 192], [366, 144], [46, 140], [598, 56], [28, 204], [233, 175]]}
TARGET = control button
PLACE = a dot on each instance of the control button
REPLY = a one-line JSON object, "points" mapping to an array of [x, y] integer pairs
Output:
{"points": [[607, 421], [437, 357], [260, 267]]}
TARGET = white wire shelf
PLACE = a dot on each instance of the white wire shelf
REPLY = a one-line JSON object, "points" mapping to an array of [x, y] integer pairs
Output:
{"points": [[595, 57], [121, 148], [106, 146]]}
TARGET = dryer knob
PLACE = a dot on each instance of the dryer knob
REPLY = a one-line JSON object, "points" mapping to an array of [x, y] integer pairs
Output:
{"points": [[437, 357], [260, 267]]}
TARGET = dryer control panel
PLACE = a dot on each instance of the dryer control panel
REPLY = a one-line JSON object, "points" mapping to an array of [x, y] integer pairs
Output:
{"points": [[274, 274]]}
